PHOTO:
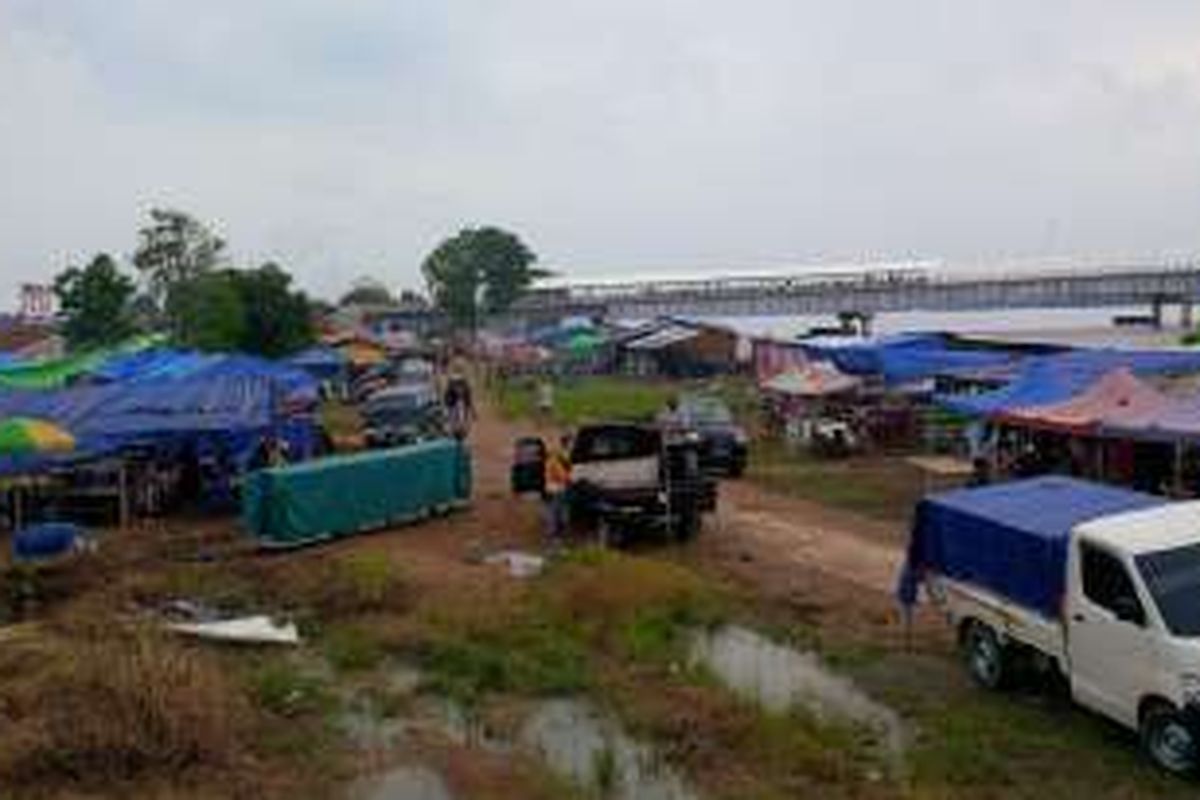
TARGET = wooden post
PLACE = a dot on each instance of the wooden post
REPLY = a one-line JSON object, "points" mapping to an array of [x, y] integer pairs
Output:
{"points": [[123, 499], [1177, 481]]}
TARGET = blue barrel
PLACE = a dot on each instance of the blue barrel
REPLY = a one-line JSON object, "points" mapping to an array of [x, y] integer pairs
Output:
{"points": [[45, 540]]}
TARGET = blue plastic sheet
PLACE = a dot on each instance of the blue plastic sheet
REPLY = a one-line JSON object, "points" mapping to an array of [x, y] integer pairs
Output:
{"points": [[1054, 378], [1009, 538], [234, 410], [906, 358]]}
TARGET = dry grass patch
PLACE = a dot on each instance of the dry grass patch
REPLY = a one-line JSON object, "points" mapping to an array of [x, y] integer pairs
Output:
{"points": [[114, 708]]}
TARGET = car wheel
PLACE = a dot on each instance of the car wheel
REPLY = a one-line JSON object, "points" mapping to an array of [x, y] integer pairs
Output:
{"points": [[1169, 741], [987, 660]]}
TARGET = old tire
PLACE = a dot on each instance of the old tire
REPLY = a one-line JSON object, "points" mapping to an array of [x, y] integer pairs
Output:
{"points": [[1169, 740], [986, 658]]}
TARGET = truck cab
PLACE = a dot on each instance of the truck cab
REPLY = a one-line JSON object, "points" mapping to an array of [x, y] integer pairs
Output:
{"points": [[1132, 626], [627, 479]]}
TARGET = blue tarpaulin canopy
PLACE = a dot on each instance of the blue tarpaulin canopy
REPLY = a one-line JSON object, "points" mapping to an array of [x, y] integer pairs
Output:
{"points": [[903, 359], [323, 363], [235, 409], [1054, 378], [1009, 538]]}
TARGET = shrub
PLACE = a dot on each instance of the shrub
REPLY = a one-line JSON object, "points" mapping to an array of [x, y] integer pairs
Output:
{"points": [[359, 583], [282, 689], [353, 647]]}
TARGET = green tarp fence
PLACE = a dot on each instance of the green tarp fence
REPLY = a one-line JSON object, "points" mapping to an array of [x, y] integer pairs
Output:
{"points": [[339, 496]]}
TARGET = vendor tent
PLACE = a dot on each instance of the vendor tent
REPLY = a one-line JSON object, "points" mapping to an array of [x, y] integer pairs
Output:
{"points": [[1060, 376], [1115, 397], [233, 409], [323, 363], [814, 379], [1178, 421]]}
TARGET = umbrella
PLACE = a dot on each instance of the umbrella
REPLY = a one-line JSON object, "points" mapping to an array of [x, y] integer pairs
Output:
{"points": [[25, 435]]}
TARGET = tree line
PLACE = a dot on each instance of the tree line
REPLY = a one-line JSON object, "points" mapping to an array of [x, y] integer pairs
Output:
{"points": [[186, 287]]}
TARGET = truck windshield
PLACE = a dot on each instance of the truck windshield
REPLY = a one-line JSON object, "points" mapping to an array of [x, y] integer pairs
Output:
{"points": [[1173, 577]]}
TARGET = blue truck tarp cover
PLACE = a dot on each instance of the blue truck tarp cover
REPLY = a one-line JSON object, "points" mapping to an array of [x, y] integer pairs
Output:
{"points": [[1009, 538], [339, 496]]}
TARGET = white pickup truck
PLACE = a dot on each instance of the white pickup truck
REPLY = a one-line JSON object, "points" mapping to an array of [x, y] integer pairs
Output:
{"points": [[1101, 583]]}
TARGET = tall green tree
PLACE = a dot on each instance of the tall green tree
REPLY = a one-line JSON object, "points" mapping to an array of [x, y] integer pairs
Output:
{"points": [[278, 318], [479, 271], [95, 303], [250, 311], [206, 312], [173, 249]]}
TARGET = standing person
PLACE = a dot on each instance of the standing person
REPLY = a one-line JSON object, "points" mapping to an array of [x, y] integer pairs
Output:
{"points": [[545, 400], [459, 406], [556, 482], [671, 420]]}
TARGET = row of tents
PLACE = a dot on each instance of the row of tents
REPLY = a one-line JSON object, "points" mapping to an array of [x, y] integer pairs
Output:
{"points": [[146, 395]]}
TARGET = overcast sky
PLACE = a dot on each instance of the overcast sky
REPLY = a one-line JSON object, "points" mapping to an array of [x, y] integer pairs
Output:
{"points": [[617, 137]]}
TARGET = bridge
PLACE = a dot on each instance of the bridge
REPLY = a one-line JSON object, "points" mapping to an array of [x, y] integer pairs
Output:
{"points": [[867, 292]]}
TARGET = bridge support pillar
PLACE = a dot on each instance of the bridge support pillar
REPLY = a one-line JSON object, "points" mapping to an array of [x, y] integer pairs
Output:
{"points": [[1186, 315], [1156, 312]]}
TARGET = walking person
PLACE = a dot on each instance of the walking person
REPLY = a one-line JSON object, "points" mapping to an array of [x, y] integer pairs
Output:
{"points": [[545, 400], [460, 409], [556, 484]]}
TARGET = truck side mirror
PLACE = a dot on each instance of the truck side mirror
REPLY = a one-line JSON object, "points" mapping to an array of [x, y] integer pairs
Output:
{"points": [[1128, 609]]}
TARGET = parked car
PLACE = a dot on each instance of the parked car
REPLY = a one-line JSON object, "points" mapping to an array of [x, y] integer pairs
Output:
{"points": [[1097, 583], [402, 414], [724, 444], [628, 480]]}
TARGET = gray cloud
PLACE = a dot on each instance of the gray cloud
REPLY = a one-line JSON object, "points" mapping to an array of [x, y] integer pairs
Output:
{"points": [[347, 137]]}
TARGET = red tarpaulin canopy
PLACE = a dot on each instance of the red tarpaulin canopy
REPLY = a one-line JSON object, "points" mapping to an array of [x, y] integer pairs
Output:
{"points": [[1117, 399]]}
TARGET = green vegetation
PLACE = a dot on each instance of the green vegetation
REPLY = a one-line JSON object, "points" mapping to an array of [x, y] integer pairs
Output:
{"points": [[280, 687], [883, 487], [479, 271], [353, 648], [595, 603], [584, 399], [96, 304]]}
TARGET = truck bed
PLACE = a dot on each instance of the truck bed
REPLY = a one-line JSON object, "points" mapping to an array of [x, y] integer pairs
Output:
{"points": [[1010, 539]]}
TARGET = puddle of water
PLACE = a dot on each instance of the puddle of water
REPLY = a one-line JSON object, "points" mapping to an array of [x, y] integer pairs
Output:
{"points": [[593, 751], [779, 678], [402, 783]]}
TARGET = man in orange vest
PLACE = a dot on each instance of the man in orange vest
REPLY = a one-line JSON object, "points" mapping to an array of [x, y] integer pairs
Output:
{"points": [[556, 482]]}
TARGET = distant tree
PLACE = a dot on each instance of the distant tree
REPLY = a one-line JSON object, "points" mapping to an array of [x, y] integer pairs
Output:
{"points": [[367, 292], [206, 312], [250, 311], [479, 271], [96, 303], [278, 319], [173, 249]]}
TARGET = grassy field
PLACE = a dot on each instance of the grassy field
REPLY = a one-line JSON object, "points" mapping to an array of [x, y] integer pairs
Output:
{"points": [[884, 487], [579, 399], [583, 399]]}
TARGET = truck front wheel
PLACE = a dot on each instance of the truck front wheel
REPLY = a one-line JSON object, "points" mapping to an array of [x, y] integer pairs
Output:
{"points": [[1169, 740], [987, 659]]}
